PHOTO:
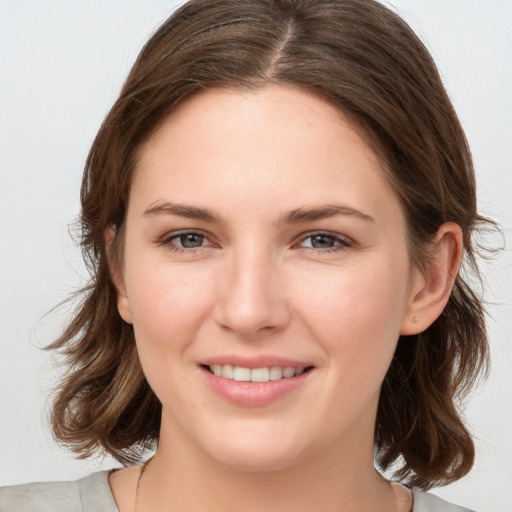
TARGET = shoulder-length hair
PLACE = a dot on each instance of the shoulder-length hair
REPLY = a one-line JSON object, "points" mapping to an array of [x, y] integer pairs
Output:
{"points": [[367, 62]]}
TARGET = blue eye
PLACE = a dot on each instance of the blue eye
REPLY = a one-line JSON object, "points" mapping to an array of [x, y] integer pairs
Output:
{"points": [[183, 241], [190, 240], [325, 242]]}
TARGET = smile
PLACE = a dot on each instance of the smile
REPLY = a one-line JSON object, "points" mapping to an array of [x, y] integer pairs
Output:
{"points": [[255, 385], [265, 374]]}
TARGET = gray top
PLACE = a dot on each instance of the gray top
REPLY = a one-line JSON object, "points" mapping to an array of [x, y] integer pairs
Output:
{"points": [[93, 494]]}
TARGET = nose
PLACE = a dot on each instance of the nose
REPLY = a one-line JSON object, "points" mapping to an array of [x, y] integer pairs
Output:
{"points": [[251, 300]]}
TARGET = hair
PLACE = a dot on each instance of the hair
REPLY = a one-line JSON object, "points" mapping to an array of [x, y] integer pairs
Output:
{"points": [[364, 60]]}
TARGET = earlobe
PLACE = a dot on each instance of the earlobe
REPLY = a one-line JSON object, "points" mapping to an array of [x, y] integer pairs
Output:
{"points": [[116, 274], [431, 287], [123, 306]]}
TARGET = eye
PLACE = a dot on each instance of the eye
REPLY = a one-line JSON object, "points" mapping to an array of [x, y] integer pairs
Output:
{"points": [[190, 240], [185, 241], [325, 242]]}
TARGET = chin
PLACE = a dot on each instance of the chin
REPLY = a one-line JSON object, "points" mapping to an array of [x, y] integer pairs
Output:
{"points": [[255, 461], [256, 451]]}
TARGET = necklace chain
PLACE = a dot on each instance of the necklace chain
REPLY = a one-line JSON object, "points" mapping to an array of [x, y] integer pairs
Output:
{"points": [[145, 464], [143, 468]]}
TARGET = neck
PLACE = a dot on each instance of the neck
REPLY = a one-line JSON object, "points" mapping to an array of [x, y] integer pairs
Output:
{"points": [[181, 477]]}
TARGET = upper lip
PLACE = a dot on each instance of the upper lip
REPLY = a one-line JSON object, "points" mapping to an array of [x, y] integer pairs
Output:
{"points": [[260, 361]]}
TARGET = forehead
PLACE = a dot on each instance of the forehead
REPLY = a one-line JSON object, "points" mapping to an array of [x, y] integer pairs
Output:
{"points": [[276, 144], [282, 113]]}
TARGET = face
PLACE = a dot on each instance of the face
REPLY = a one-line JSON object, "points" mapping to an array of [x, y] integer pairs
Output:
{"points": [[266, 276]]}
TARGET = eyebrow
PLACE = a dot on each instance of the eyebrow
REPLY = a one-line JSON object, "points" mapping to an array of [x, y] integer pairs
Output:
{"points": [[300, 215], [190, 212], [323, 212]]}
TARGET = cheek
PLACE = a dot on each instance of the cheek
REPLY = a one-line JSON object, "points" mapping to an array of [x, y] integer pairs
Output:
{"points": [[168, 305], [356, 312]]}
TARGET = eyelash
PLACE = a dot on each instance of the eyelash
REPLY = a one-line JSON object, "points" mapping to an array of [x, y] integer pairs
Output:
{"points": [[341, 242], [168, 239]]}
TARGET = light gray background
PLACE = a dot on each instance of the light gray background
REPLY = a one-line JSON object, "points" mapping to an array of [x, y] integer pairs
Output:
{"points": [[61, 66]]}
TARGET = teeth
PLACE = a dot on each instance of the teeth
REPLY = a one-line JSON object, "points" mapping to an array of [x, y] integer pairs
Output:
{"points": [[227, 371], [288, 372], [276, 373], [241, 374], [260, 375]]}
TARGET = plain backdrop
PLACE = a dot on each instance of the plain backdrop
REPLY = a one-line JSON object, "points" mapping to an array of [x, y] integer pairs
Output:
{"points": [[62, 64]]}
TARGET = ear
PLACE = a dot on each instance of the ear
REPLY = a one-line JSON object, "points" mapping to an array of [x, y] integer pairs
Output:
{"points": [[116, 274], [431, 287]]}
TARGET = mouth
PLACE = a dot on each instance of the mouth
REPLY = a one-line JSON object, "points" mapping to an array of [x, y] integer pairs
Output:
{"points": [[257, 375], [252, 384]]}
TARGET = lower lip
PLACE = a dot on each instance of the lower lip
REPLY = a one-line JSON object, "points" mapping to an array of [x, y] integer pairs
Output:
{"points": [[254, 394]]}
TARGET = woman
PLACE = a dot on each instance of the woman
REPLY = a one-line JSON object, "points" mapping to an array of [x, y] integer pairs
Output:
{"points": [[275, 211]]}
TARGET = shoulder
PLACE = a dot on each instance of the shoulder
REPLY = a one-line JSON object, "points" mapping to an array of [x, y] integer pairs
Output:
{"points": [[425, 502], [89, 493]]}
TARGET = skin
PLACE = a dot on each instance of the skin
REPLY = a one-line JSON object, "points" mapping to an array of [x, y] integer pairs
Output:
{"points": [[259, 283]]}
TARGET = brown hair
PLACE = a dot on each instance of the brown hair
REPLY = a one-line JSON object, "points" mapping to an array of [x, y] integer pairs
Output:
{"points": [[366, 61]]}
